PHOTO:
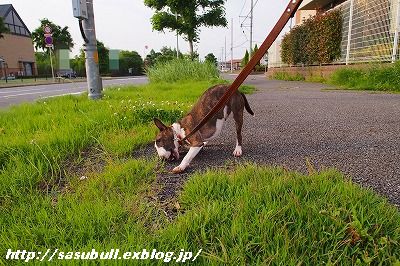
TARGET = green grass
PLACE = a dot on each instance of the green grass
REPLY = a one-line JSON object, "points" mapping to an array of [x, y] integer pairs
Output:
{"points": [[376, 77], [250, 215], [281, 75], [179, 70]]}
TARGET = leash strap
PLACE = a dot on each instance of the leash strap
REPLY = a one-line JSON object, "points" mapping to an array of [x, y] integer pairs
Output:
{"points": [[289, 12]]}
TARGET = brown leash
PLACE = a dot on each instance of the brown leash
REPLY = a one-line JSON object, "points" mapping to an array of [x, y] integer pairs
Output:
{"points": [[273, 35]]}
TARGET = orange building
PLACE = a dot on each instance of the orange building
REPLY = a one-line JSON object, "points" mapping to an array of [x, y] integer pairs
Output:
{"points": [[16, 48]]}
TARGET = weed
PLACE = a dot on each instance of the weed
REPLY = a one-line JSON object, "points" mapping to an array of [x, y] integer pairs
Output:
{"points": [[182, 70]]}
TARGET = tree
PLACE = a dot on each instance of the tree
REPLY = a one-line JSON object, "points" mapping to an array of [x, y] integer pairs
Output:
{"points": [[166, 54], [61, 37], [253, 53], [130, 60], [187, 16], [211, 59], [43, 63], [3, 28], [245, 59], [78, 64], [104, 58]]}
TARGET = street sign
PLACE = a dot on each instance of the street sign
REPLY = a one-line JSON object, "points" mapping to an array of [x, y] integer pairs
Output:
{"points": [[48, 40], [47, 29], [48, 36]]}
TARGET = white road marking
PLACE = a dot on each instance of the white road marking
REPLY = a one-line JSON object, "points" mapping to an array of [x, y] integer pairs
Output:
{"points": [[43, 87], [32, 93], [125, 79], [65, 94], [14, 90]]}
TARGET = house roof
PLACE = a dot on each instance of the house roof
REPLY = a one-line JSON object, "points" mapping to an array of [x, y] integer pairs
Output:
{"points": [[5, 11]]}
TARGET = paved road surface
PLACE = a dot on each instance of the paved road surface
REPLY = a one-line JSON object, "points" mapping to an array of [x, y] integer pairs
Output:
{"points": [[355, 132], [11, 96]]}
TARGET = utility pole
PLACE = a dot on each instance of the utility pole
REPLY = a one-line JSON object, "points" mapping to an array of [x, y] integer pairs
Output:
{"points": [[222, 57], [94, 81], [232, 46], [225, 55], [177, 37], [251, 29]]}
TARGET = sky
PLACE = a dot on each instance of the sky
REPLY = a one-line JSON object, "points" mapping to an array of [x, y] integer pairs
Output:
{"points": [[125, 25]]}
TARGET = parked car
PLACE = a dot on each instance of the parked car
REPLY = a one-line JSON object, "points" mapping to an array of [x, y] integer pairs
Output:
{"points": [[66, 73], [9, 77]]}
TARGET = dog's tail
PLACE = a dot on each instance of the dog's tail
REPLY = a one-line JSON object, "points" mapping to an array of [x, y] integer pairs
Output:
{"points": [[247, 105]]}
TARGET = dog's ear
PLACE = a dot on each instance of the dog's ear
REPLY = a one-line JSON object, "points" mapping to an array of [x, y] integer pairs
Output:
{"points": [[159, 124]]}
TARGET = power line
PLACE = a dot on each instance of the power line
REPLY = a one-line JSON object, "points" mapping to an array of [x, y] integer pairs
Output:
{"points": [[250, 11], [240, 45], [242, 8]]}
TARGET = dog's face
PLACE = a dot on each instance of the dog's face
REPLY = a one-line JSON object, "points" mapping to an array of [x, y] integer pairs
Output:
{"points": [[166, 144]]}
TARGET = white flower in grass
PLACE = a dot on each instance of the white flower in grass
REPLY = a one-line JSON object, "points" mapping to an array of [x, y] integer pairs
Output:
{"points": [[83, 178]]}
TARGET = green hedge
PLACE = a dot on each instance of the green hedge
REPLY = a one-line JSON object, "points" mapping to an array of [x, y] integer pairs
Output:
{"points": [[317, 40]]}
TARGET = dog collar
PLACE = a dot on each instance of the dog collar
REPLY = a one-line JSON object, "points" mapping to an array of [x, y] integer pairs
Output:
{"points": [[178, 138]]}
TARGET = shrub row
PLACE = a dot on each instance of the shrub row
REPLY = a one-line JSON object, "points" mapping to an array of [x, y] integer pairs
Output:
{"points": [[317, 40]]}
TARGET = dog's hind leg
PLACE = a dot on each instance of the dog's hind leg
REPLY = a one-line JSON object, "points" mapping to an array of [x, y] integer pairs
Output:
{"points": [[238, 116]]}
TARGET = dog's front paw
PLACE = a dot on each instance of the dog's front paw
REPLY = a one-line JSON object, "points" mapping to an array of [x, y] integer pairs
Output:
{"points": [[238, 151], [178, 170]]}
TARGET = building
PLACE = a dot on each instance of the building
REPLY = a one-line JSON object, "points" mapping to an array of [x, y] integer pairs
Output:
{"points": [[227, 65], [16, 48]]}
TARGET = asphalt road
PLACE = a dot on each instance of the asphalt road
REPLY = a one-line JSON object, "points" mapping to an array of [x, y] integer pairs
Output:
{"points": [[16, 95], [357, 133]]}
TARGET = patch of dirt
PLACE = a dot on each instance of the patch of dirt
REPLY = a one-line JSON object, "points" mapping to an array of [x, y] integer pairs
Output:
{"points": [[167, 186], [90, 161]]}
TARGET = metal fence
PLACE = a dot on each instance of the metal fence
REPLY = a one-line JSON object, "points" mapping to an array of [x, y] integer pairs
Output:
{"points": [[370, 33]]}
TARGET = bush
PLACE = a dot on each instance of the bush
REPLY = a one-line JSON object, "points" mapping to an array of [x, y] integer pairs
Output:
{"points": [[317, 40], [182, 70], [381, 77]]}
